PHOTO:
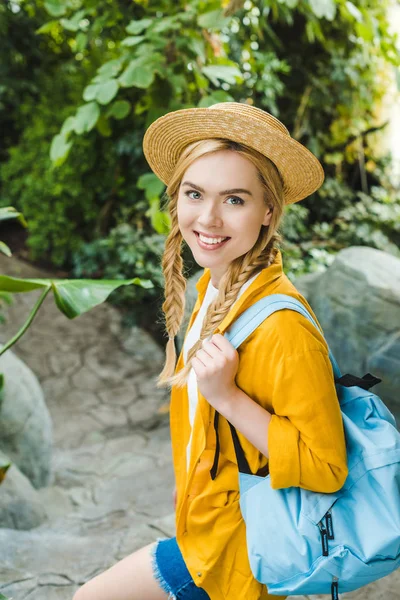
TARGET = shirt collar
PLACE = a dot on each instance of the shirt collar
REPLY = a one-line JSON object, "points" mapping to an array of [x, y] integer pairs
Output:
{"points": [[266, 279]]}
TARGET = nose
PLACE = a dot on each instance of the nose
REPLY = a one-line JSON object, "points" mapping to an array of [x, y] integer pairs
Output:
{"points": [[210, 217]]}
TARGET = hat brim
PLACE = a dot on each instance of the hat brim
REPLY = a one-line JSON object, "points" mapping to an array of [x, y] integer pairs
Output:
{"points": [[166, 138]]}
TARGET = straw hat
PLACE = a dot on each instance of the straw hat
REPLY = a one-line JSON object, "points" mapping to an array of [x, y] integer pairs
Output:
{"points": [[166, 137]]}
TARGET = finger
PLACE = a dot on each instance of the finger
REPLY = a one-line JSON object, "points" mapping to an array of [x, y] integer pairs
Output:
{"points": [[204, 357], [223, 344], [198, 366], [211, 348]]}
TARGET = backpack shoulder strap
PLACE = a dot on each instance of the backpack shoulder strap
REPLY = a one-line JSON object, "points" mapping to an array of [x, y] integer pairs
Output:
{"points": [[240, 329], [248, 321]]}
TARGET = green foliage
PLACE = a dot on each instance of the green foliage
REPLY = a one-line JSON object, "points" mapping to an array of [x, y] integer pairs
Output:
{"points": [[75, 166]]}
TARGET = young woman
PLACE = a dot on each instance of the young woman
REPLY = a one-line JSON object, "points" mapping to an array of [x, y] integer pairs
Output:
{"points": [[230, 170]]}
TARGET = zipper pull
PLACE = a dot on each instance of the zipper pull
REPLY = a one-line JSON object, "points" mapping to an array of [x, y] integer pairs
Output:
{"points": [[329, 526], [335, 588], [324, 539]]}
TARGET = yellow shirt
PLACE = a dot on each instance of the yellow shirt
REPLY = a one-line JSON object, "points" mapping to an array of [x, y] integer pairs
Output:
{"points": [[283, 366]]}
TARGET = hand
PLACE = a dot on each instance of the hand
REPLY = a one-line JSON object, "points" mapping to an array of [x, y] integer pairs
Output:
{"points": [[216, 365]]}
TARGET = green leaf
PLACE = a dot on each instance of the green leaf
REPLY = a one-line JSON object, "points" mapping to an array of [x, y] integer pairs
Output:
{"points": [[119, 109], [225, 73], [138, 26], [56, 8], [153, 186], [73, 297], [137, 75], [47, 27], [86, 117], [323, 8], [157, 217], [197, 46], [213, 20], [5, 249], [68, 126], [90, 91], [365, 31], [214, 98], [59, 149], [73, 24], [103, 126], [107, 91], [81, 41], [354, 11], [9, 212], [112, 67], [132, 40]]}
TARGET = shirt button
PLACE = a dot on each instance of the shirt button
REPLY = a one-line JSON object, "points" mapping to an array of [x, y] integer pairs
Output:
{"points": [[199, 574]]}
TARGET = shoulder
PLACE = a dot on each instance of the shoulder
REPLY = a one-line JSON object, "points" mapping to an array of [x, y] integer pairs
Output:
{"points": [[287, 332]]}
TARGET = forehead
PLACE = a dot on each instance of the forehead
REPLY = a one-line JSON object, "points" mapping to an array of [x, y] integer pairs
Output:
{"points": [[220, 168]]}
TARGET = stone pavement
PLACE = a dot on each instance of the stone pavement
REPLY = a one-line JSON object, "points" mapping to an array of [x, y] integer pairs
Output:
{"points": [[112, 481]]}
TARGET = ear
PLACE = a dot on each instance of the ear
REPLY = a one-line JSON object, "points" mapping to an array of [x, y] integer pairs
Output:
{"points": [[268, 216]]}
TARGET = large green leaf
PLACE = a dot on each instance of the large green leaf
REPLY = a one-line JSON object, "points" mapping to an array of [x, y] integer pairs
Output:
{"points": [[72, 296]]}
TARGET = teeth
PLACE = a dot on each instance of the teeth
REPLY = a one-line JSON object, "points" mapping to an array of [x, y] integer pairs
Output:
{"points": [[211, 240]]}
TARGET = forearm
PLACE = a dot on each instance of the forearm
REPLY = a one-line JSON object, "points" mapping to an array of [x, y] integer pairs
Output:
{"points": [[248, 417]]}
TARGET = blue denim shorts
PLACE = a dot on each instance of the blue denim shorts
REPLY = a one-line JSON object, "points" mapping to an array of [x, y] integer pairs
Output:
{"points": [[171, 572]]}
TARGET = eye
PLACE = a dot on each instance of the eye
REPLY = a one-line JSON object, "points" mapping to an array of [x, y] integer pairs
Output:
{"points": [[237, 198], [191, 192]]}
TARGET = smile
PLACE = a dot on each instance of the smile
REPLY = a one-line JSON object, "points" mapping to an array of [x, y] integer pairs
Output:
{"points": [[210, 247]]}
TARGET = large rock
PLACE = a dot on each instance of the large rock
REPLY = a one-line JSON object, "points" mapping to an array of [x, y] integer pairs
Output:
{"points": [[357, 302], [25, 423], [20, 504]]}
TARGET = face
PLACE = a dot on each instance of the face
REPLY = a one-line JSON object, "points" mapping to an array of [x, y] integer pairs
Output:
{"points": [[220, 195]]}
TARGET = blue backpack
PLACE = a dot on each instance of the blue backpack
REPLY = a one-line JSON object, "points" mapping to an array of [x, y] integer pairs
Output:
{"points": [[316, 543]]}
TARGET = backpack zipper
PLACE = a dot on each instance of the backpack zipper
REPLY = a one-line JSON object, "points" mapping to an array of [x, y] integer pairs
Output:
{"points": [[335, 588], [329, 525], [324, 539]]}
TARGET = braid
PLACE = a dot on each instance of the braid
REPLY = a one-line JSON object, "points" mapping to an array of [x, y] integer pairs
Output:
{"points": [[174, 292]]}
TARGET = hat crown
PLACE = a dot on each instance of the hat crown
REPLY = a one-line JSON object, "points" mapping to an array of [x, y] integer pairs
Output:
{"points": [[240, 108]]}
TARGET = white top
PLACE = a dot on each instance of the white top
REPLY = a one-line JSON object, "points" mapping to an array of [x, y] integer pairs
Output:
{"points": [[191, 338]]}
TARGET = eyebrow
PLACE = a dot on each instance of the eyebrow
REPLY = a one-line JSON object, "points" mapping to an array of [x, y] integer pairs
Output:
{"points": [[232, 191]]}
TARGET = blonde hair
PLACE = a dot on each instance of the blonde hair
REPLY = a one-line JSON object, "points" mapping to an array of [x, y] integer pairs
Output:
{"points": [[239, 271]]}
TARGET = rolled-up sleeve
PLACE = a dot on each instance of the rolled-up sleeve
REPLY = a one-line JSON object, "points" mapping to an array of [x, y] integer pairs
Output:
{"points": [[306, 440]]}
